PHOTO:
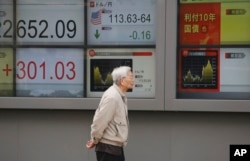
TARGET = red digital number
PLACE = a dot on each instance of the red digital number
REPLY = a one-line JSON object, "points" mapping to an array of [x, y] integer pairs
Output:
{"points": [[21, 74], [72, 70], [60, 67], [31, 65]]}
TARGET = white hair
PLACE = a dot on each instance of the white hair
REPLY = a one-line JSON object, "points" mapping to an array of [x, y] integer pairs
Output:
{"points": [[120, 72]]}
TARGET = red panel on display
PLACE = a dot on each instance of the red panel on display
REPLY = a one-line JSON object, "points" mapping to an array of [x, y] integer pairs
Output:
{"points": [[199, 24]]}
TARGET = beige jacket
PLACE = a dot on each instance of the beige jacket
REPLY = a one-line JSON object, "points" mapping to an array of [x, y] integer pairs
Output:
{"points": [[110, 123]]}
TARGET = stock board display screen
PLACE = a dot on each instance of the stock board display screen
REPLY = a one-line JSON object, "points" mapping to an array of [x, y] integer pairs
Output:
{"points": [[214, 49], [199, 70], [45, 44], [6, 76], [101, 62], [121, 22], [50, 22], [215, 73], [214, 22], [6, 22], [49, 72]]}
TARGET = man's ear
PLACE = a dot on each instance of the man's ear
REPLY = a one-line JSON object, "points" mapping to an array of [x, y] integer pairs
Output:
{"points": [[121, 81]]}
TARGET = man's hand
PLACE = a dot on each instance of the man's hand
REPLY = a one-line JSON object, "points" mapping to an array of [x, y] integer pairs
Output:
{"points": [[90, 144]]}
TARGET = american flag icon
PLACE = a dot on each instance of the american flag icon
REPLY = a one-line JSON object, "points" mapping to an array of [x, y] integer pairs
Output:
{"points": [[96, 17]]}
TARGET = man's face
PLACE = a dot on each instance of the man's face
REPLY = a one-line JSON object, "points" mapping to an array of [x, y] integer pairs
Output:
{"points": [[128, 81]]}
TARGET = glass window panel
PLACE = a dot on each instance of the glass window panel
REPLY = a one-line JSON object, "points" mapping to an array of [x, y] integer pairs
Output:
{"points": [[100, 63], [130, 22], [6, 22], [50, 22], [213, 52], [7, 72], [52, 72]]}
